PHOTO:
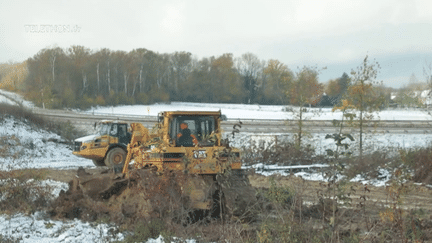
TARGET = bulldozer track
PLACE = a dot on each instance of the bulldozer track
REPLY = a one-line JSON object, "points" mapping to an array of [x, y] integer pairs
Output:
{"points": [[84, 119]]}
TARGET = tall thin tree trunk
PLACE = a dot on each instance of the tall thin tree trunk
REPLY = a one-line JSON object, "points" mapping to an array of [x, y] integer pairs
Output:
{"points": [[361, 129], [97, 75], [115, 79], [84, 75], [140, 78], [109, 79], [53, 69], [134, 87], [361, 133], [300, 123], [125, 77]]}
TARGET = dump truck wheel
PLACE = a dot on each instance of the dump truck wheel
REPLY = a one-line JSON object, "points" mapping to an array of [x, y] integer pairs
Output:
{"points": [[115, 158], [99, 162]]}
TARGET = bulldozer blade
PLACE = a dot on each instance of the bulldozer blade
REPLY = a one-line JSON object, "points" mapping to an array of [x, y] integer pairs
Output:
{"points": [[100, 186], [200, 190]]}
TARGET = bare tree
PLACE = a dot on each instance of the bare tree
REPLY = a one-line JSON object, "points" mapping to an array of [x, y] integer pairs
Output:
{"points": [[181, 66], [427, 72], [250, 67], [80, 59]]}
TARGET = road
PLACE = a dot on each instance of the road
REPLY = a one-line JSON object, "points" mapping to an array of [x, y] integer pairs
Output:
{"points": [[85, 120]]}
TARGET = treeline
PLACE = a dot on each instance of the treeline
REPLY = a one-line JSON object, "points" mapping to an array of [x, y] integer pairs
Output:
{"points": [[78, 77]]}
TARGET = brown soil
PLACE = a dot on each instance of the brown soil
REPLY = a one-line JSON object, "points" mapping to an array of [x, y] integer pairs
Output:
{"points": [[67, 175], [416, 197], [370, 208]]}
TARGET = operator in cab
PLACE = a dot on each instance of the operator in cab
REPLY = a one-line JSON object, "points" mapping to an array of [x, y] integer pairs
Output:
{"points": [[185, 137]]}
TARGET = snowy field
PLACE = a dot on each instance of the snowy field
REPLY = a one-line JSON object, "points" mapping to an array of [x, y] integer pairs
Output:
{"points": [[239, 111], [33, 148], [29, 147]]}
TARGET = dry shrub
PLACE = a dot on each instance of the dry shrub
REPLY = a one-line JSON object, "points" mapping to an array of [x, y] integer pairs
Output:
{"points": [[7, 143], [20, 191], [368, 165], [398, 224], [147, 229], [280, 153], [420, 161], [10, 239], [22, 114], [143, 198]]}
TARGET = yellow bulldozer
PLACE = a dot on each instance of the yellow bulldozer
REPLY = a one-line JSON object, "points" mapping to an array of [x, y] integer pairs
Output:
{"points": [[185, 142]]}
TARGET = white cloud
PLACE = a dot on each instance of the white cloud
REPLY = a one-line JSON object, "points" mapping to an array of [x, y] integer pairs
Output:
{"points": [[346, 54], [173, 18]]}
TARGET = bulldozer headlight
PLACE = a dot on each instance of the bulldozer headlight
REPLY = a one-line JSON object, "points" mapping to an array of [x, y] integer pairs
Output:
{"points": [[83, 147], [199, 154]]}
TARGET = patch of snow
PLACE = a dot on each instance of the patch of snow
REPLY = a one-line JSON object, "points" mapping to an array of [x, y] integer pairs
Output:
{"points": [[4, 99], [38, 228], [385, 176], [314, 172], [54, 186], [14, 98], [160, 239], [311, 176], [29, 147]]}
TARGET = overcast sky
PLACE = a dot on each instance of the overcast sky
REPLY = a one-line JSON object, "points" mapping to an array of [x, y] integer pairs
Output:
{"points": [[333, 34]]}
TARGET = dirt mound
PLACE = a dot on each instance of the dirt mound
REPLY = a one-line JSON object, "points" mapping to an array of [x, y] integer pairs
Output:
{"points": [[146, 195], [142, 196]]}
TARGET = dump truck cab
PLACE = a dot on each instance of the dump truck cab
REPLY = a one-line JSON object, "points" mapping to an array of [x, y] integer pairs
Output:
{"points": [[108, 146]]}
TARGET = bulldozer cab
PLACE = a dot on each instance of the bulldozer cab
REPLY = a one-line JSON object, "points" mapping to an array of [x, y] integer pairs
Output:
{"points": [[191, 128], [188, 131]]}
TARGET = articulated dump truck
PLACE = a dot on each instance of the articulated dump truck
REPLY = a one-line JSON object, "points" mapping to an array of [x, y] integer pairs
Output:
{"points": [[183, 144], [108, 147]]}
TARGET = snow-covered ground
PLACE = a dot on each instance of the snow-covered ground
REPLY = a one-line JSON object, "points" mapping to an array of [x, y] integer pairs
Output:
{"points": [[240, 111], [371, 142], [14, 99], [25, 146], [39, 228]]}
